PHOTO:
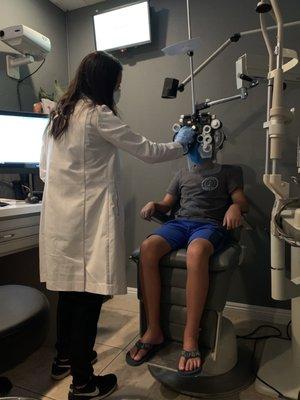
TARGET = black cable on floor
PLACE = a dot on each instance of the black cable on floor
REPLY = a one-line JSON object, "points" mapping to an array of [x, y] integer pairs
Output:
{"points": [[250, 335], [272, 387], [22, 80], [278, 335], [288, 330]]}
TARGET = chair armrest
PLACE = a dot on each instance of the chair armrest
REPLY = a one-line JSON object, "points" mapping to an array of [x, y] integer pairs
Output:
{"points": [[246, 224], [160, 217], [135, 256]]}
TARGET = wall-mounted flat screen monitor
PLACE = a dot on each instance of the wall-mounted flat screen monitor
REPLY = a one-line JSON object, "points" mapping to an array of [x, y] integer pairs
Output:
{"points": [[21, 139], [123, 27]]}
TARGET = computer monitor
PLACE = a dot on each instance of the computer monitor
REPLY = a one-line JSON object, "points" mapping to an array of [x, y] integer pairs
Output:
{"points": [[123, 27], [21, 140]]}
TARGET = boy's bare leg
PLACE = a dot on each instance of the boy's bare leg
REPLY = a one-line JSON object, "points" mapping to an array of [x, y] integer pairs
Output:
{"points": [[198, 254], [152, 250]]}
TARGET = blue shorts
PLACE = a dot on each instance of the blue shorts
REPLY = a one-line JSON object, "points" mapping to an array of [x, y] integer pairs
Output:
{"points": [[179, 233]]}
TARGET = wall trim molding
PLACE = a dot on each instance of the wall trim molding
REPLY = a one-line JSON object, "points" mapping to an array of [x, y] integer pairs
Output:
{"points": [[250, 311], [267, 314], [131, 290]]}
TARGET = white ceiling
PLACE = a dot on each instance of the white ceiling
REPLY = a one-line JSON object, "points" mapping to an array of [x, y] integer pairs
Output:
{"points": [[68, 5]]}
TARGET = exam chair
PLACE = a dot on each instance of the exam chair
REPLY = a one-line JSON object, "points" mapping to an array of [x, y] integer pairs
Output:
{"points": [[227, 367], [24, 321]]}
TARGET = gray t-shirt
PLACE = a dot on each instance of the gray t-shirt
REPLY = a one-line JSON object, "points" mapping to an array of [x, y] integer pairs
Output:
{"points": [[205, 194]]}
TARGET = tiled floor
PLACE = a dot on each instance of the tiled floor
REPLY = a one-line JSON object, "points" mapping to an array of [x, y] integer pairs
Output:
{"points": [[118, 329]]}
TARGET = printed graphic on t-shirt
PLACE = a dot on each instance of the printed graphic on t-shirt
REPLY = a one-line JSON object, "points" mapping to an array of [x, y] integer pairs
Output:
{"points": [[210, 183], [205, 195]]}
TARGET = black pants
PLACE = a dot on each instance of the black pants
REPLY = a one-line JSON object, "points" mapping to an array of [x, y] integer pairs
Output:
{"points": [[77, 318]]}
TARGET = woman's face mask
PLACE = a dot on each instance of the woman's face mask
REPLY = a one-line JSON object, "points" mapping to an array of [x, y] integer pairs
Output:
{"points": [[117, 95]]}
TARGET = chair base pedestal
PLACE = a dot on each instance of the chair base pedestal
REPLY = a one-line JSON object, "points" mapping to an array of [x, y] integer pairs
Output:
{"points": [[207, 386]]}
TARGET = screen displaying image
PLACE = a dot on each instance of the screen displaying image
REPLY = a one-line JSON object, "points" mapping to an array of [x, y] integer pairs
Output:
{"points": [[123, 27], [21, 139]]}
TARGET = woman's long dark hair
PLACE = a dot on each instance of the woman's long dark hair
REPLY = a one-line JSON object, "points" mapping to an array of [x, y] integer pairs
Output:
{"points": [[96, 78]]}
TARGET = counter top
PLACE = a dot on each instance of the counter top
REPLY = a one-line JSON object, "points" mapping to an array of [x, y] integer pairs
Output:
{"points": [[20, 208]]}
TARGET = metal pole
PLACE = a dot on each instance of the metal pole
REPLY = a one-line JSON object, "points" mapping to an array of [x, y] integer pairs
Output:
{"points": [[270, 28], [208, 60], [277, 117], [222, 101], [191, 55], [278, 286], [227, 43], [31, 182], [295, 272], [270, 85]]}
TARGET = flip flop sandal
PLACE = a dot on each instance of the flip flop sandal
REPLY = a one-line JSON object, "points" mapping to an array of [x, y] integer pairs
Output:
{"points": [[188, 355], [152, 350]]}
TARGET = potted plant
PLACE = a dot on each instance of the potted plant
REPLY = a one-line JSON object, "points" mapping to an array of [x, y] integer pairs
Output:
{"points": [[47, 101]]}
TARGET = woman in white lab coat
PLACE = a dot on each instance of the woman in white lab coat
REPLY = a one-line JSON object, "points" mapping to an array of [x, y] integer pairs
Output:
{"points": [[82, 247]]}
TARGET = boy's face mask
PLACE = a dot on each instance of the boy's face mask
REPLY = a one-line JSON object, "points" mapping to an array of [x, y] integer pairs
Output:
{"points": [[194, 155]]}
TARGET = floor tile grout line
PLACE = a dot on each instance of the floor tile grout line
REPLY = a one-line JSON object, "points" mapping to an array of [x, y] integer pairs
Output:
{"points": [[120, 351], [116, 347], [34, 392], [108, 345], [120, 309], [115, 357], [123, 350], [131, 341]]}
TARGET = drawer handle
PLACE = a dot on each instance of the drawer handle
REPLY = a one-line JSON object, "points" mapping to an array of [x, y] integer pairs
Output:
{"points": [[8, 236]]}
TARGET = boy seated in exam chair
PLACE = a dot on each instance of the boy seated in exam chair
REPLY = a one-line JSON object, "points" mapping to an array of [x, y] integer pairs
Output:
{"points": [[211, 202]]}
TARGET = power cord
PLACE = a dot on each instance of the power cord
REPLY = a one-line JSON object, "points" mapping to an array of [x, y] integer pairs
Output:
{"points": [[278, 335], [23, 79], [288, 330], [249, 336]]}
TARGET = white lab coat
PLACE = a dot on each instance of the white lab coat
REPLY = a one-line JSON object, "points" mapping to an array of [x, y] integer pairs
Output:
{"points": [[82, 246]]}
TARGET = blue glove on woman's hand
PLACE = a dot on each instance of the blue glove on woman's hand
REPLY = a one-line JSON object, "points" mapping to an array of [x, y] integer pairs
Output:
{"points": [[185, 136]]}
